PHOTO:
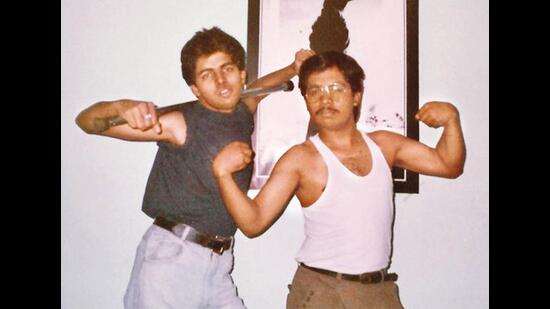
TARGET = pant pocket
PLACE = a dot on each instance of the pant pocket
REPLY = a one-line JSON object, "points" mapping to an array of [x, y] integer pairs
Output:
{"points": [[163, 250]]}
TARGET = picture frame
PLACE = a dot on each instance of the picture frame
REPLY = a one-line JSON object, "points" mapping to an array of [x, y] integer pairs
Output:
{"points": [[381, 35]]}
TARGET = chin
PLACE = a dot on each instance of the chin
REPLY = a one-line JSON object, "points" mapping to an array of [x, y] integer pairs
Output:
{"points": [[327, 123]]}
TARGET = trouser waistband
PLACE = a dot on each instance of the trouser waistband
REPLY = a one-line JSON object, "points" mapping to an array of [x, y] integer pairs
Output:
{"points": [[218, 244], [370, 277]]}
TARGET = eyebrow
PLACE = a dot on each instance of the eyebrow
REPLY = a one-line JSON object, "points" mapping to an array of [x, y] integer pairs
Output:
{"points": [[329, 84], [222, 66]]}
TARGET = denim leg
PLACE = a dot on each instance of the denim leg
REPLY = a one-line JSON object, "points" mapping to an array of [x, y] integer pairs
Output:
{"points": [[223, 291], [167, 273]]}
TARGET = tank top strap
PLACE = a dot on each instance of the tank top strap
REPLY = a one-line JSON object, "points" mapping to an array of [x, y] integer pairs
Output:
{"points": [[328, 156], [378, 158], [373, 147]]}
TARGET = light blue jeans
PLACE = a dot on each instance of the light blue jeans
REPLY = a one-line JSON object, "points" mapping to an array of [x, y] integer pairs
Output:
{"points": [[173, 273]]}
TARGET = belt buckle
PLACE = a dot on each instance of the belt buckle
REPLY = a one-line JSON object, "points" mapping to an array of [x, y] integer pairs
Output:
{"points": [[218, 240], [219, 250]]}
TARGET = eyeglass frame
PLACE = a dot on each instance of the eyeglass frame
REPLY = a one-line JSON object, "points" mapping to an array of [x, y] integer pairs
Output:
{"points": [[326, 89]]}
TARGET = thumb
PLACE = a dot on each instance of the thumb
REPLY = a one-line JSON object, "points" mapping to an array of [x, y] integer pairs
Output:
{"points": [[158, 128]]}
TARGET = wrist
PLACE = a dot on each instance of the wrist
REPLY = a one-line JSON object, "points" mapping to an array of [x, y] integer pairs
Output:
{"points": [[294, 69], [220, 174], [119, 107], [454, 120]]}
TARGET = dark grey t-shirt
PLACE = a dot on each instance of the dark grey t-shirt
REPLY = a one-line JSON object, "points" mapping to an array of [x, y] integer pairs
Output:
{"points": [[181, 186]]}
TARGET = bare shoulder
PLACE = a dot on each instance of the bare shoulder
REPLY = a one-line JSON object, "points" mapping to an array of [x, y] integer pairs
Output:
{"points": [[387, 139], [388, 142], [299, 156], [383, 136], [174, 119], [174, 127], [302, 151]]}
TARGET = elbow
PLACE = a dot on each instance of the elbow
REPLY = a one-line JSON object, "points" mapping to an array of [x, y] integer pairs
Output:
{"points": [[84, 126], [456, 175], [454, 172], [251, 235], [252, 232], [81, 125]]}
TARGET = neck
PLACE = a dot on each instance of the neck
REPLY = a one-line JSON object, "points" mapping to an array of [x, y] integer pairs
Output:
{"points": [[340, 137], [219, 110]]}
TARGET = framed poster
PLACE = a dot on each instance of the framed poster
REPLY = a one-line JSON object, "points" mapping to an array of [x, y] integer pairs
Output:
{"points": [[381, 35]]}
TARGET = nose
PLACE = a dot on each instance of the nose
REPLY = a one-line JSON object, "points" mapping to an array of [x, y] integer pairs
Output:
{"points": [[220, 78], [326, 97]]}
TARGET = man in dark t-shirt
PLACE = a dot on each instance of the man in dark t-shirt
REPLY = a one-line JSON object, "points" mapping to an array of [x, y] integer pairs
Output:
{"points": [[185, 258]]}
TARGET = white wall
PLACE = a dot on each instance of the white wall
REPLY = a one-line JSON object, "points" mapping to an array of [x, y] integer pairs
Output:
{"points": [[130, 49]]}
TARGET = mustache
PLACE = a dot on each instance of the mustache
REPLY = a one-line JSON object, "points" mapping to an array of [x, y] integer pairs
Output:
{"points": [[327, 109]]}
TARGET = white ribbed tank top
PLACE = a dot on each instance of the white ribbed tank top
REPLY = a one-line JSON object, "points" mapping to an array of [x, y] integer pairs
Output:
{"points": [[348, 229]]}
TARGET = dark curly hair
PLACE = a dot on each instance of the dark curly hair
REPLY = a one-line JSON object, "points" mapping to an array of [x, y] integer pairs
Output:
{"points": [[207, 42]]}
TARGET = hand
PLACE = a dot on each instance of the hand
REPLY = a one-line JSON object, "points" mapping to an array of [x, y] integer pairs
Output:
{"points": [[436, 114], [300, 57], [233, 157], [140, 115]]}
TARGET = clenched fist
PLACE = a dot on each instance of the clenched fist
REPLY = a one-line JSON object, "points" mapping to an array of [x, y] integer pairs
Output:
{"points": [[233, 157], [299, 58], [436, 114], [140, 115]]}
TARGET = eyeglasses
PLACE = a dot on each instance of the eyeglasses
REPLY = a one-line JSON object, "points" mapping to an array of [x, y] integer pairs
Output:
{"points": [[336, 91]]}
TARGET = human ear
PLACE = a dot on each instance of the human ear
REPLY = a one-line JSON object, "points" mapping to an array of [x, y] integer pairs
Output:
{"points": [[243, 77], [195, 91]]}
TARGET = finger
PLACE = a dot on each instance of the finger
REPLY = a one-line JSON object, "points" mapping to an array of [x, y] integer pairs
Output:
{"points": [[423, 116], [144, 117], [418, 116], [247, 152], [431, 122], [138, 115], [247, 158], [157, 128], [140, 121], [148, 118], [131, 119], [151, 110], [233, 146], [242, 146], [426, 118], [422, 112], [238, 143]]}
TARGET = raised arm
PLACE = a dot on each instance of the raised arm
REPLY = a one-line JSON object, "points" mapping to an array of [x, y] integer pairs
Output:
{"points": [[254, 217], [445, 160], [143, 123], [278, 77]]}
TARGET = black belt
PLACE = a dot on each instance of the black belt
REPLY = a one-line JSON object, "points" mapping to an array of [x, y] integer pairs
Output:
{"points": [[371, 277], [217, 243]]}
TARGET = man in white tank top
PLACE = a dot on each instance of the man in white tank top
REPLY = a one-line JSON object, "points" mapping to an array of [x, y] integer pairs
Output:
{"points": [[342, 179]]}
